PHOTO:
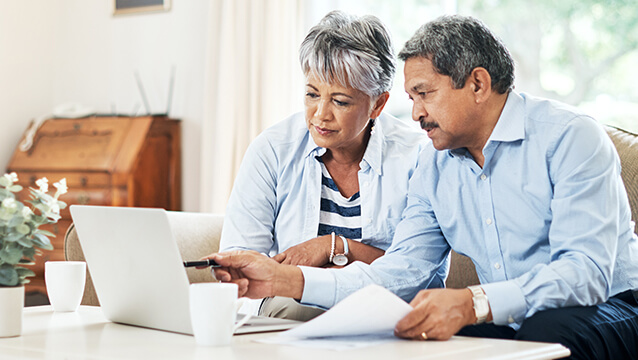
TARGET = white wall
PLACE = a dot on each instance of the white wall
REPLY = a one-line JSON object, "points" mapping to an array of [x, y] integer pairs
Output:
{"points": [[54, 52]]}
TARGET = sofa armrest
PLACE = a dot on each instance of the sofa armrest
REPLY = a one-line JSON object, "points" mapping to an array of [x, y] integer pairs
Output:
{"points": [[196, 234]]}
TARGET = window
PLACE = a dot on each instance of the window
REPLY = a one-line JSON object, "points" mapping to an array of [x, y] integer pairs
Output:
{"points": [[581, 52]]}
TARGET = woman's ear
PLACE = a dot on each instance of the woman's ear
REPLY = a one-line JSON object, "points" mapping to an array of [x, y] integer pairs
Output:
{"points": [[379, 104], [480, 83]]}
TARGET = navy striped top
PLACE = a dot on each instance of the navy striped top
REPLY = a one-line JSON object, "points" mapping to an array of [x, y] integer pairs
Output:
{"points": [[339, 214]]}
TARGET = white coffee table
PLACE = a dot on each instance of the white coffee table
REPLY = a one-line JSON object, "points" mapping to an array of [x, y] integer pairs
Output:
{"points": [[86, 334]]}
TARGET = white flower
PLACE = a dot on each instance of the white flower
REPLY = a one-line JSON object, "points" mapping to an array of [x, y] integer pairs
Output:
{"points": [[9, 203], [13, 177], [27, 212], [61, 186], [43, 184]]}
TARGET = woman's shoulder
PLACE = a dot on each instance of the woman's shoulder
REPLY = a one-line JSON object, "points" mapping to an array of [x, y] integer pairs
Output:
{"points": [[401, 132], [284, 133]]}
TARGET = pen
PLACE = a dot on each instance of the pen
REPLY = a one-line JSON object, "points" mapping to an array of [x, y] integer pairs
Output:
{"points": [[207, 262]]}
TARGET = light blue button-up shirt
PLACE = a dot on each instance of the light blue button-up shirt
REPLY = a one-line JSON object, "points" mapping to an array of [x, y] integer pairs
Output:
{"points": [[276, 198], [546, 220]]}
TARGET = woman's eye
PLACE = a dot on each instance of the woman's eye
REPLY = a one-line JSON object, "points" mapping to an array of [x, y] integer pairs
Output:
{"points": [[341, 103], [311, 95]]}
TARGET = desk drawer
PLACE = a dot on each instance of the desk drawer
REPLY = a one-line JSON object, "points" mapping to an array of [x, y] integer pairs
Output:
{"points": [[74, 180]]}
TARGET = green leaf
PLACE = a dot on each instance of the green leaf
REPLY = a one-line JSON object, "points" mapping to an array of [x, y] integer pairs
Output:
{"points": [[26, 242], [11, 254], [29, 255], [8, 276], [12, 236], [23, 229], [42, 242], [24, 272], [44, 232], [15, 188]]}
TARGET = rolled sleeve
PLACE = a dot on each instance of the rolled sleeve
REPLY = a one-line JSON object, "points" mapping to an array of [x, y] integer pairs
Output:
{"points": [[507, 302], [319, 287]]}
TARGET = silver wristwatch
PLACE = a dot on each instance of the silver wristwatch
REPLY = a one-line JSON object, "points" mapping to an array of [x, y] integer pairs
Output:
{"points": [[481, 304]]}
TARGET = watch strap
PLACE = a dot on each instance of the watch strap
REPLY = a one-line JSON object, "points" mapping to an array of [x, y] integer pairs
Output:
{"points": [[481, 303], [345, 245]]}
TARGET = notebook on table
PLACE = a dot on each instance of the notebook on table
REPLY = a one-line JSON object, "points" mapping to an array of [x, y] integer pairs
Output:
{"points": [[138, 272]]}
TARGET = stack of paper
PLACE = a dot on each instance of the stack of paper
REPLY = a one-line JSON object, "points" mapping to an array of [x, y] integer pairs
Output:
{"points": [[364, 318]]}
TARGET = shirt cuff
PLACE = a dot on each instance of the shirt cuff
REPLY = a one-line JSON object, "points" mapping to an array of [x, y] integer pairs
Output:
{"points": [[319, 287], [507, 302]]}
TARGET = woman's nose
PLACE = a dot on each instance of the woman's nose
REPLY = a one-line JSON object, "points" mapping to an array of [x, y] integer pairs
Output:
{"points": [[322, 110]]}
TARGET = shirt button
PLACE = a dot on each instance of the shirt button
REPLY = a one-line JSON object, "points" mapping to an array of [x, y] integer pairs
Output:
{"points": [[366, 184], [488, 221], [510, 319], [483, 177], [369, 220], [497, 266]]}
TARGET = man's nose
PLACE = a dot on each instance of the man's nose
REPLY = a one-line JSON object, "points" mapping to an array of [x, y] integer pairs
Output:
{"points": [[418, 111]]}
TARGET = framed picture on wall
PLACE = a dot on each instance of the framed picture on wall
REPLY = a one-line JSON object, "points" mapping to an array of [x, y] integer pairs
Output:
{"points": [[134, 6]]}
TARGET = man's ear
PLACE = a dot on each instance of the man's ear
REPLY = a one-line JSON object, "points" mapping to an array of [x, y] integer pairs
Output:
{"points": [[379, 104], [480, 83]]}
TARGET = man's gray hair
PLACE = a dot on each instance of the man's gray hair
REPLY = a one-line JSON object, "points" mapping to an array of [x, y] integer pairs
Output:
{"points": [[351, 51], [456, 45]]}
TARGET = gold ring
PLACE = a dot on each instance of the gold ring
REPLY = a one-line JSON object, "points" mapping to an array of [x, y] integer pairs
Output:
{"points": [[424, 336]]}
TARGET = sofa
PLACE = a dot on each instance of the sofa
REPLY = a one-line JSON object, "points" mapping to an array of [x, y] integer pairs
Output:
{"points": [[197, 234]]}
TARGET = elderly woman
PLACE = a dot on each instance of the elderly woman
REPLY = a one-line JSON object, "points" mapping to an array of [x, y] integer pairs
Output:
{"points": [[327, 187]]}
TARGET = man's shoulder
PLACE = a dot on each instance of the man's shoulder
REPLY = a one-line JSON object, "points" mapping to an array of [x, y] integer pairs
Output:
{"points": [[548, 112]]}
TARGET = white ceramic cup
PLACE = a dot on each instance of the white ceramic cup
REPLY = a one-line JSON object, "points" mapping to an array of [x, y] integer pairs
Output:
{"points": [[65, 283], [213, 310]]}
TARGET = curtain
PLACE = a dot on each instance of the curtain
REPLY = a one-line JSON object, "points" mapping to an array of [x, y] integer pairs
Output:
{"points": [[253, 80]]}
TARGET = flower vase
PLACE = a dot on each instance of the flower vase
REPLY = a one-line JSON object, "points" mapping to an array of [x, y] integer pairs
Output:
{"points": [[11, 306]]}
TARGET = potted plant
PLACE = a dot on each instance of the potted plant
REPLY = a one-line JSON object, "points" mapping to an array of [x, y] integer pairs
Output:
{"points": [[21, 239]]}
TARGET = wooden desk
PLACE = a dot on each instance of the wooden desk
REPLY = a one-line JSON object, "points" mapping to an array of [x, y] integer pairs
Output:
{"points": [[106, 160], [86, 334]]}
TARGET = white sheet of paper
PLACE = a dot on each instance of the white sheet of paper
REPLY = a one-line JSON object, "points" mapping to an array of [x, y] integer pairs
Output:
{"points": [[371, 310]]}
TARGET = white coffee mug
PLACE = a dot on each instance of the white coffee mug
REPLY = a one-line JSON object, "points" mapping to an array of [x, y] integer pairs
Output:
{"points": [[213, 310], [65, 283]]}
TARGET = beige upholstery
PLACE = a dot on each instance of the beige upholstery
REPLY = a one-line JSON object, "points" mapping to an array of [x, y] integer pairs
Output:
{"points": [[198, 234]]}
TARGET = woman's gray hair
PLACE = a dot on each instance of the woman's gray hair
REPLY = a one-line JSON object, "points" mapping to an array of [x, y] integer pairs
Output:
{"points": [[351, 51], [456, 45]]}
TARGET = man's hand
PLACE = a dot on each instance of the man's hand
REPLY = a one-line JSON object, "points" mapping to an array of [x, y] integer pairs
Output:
{"points": [[314, 252], [257, 275], [439, 313]]}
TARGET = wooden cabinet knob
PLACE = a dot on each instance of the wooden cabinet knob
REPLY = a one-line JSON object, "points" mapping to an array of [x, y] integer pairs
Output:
{"points": [[83, 198]]}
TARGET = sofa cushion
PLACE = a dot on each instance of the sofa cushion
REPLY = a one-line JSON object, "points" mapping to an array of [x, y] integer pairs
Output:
{"points": [[627, 146]]}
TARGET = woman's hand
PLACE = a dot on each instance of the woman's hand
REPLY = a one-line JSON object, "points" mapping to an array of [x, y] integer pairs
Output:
{"points": [[314, 252]]}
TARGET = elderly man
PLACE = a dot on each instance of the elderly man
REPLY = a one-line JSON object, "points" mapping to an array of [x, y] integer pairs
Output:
{"points": [[529, 189]]}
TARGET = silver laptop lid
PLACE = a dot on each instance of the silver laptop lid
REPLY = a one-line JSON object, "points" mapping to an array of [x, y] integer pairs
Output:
{"points": [[135, 265]]}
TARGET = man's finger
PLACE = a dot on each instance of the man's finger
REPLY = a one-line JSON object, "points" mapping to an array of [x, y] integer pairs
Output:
{"points": [[222, 274], [279, 257], [415, 317]]}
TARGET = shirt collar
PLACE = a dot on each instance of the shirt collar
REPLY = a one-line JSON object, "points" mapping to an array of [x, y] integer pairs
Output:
{"points": [[511, 124], [373, 155]]}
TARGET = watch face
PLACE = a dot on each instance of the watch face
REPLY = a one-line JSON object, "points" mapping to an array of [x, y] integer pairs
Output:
{"points": [[340, 260]]}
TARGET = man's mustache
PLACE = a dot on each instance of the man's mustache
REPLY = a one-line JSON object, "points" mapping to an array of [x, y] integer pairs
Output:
{"points": [[428, 125]]}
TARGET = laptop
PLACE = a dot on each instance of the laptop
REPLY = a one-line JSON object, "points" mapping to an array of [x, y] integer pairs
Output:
{"points": [[138, 272]]}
